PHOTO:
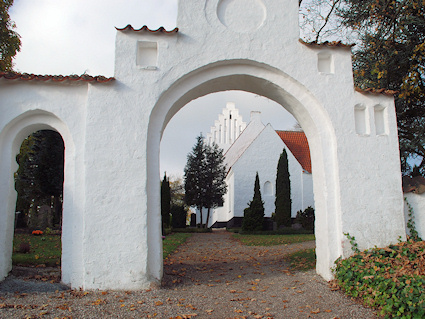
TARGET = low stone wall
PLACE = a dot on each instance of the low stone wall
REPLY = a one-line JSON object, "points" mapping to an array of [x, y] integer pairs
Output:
{"points": [[417, 202]]}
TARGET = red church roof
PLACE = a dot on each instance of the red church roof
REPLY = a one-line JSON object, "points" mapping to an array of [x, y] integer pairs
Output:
{"points": [[298, 145]]}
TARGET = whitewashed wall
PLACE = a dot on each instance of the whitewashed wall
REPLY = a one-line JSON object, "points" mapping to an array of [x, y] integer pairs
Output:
{"points": [[113, 240], [417, 202]]}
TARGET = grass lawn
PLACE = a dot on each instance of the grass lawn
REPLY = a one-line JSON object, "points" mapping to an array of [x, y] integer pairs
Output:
{"points": [[171, 242], [44, 249], [271, 240], [302, 260]]}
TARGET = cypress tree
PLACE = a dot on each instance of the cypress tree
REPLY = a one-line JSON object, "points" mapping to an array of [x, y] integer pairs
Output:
{"points": [[283, 201], [254, 214], [165, 203]]}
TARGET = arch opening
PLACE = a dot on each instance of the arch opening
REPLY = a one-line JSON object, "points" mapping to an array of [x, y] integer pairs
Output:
{"points": [[39, 186], [12, 137], [273, 84]]}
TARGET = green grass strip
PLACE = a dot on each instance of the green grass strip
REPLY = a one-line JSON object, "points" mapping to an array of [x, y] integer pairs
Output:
{"points": [[172, 242], [272, 240]]}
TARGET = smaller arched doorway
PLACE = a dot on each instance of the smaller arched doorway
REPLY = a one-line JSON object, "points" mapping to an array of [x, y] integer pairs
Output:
{"points": [[11, 139], [263, 80]]}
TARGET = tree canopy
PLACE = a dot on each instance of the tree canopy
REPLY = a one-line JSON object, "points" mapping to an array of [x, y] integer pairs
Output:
{"points": [[204, 177], [391, 55], [10, 42], [40, 174]]}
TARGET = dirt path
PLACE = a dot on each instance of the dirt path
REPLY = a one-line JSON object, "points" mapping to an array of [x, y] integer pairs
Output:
{"points": [[211, 276]]}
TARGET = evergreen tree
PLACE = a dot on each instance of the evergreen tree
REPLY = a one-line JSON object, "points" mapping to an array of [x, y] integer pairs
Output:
{"points": [[179, 214], [194, 176], [39, 178], [165, 203], [215, 174], [283, 200], [10, 42], [253, 218], [204, 177]]}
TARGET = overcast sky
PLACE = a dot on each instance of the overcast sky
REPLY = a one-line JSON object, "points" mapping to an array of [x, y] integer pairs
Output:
{"points": [[78, 36]]}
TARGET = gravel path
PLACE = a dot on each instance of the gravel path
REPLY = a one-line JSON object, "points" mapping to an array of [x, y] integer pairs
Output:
{"points": [[211, 276]]}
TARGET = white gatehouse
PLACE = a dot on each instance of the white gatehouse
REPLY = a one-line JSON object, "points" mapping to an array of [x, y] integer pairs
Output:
{"points": [[112, 128]]}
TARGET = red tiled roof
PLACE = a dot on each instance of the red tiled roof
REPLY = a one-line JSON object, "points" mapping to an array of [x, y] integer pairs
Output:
{"points": [[376, 91], [54, 78], [298, 145], [145, 28], [338, 44]]}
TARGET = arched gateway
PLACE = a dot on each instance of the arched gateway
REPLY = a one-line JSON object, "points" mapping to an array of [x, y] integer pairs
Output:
{"points": [[112, 133]]}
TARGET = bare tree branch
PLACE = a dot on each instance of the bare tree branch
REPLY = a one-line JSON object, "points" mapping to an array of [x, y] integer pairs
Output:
{"points": [[327, 18]]}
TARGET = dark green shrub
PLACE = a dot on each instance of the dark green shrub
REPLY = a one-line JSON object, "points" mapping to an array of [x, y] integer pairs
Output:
{"points": [[306, 218], [178, 214], [253, 216]]}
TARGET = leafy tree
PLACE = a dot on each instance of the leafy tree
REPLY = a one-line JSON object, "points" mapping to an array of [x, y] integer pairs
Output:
{"points": [[176, 190], [253, 217], [10, 42], [165, 203], [204, 177], [283, 200], [391, 55]]}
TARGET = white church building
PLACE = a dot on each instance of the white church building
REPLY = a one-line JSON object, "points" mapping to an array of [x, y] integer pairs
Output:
{"points": [[253, 148]]}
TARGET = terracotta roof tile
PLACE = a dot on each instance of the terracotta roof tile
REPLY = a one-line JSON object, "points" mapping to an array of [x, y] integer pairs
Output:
{"points": [[145, 28], [376, 91], [298, 145], [338, 44], [54, 78]]}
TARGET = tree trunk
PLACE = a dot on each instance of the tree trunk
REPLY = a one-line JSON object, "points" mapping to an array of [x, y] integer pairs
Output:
{"points": [[200, 213], [208, 217]]}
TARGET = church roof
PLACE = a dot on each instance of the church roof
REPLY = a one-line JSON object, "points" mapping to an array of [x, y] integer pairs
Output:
{"points": [[298, 145], [55, 78], [146, 28]]}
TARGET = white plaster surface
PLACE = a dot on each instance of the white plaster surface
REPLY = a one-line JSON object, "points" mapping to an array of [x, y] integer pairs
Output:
{"points": [[417, 202], [111, 232], [258, 149]]}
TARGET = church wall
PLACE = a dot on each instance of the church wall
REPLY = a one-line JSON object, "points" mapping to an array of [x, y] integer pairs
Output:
{"points": [[417, 203], [307, 190], [262, 156]]}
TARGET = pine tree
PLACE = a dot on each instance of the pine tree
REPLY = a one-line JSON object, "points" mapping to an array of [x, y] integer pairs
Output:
{"points": [[40, 175], [283, 200], [165, 203], [194, 176], [204, 177], [253, 218], [215, 177]]}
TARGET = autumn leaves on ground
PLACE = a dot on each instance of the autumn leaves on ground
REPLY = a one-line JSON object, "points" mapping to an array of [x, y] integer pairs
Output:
{"points": [[211, 276]]}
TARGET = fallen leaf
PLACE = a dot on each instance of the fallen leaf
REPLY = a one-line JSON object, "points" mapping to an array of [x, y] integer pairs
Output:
{"points": [[159, 303]]}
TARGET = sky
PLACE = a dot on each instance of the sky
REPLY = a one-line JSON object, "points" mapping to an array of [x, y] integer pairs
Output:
{"points": [[78, 36]]}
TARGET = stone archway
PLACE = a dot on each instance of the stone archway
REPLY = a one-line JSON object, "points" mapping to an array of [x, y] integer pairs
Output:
{"points": [[11, 139], [263, 80]]}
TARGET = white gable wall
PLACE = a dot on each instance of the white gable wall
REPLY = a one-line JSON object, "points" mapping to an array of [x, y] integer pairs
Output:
{"points": [[262, 156]]}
